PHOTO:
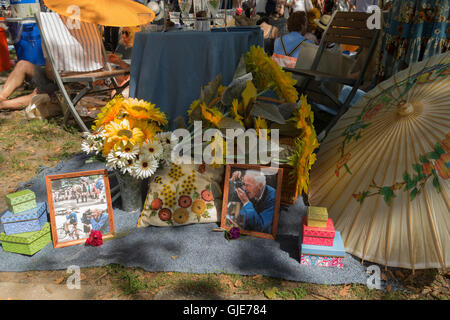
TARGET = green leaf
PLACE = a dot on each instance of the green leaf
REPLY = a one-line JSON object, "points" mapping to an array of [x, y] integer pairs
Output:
{"points": [[416, 179], [388, 194], [209, 206], [423, 159], [433, 155], [417, 168], [208, 187], [406, 177], [235, 88], [413, 193], [267, 111], [347, 168], [229, 123], [154, 213], [240, 69], [363, 196], [436, 184], [155, 195], [287, 109], [195, 195], [410, 185], [209, 92], [196, 114], [438, 149]]}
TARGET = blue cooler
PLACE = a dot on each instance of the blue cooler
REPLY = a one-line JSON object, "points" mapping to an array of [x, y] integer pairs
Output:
{"points": [[27, 39], [29, 46]]}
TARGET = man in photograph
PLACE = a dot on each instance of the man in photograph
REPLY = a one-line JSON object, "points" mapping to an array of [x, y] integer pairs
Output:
{"points": [[99, 221], [71, 219], [258, 201]]}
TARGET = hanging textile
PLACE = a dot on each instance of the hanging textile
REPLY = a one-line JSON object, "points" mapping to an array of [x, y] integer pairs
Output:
{"points": [[414, 30]]}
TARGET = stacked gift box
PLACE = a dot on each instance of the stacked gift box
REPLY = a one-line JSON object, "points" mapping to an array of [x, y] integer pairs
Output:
{"points": [[320, 243], [25, 224]]}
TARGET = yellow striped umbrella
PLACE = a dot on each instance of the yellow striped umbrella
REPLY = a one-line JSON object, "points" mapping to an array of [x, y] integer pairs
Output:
{"points": [[383, 171], [115, 13]]}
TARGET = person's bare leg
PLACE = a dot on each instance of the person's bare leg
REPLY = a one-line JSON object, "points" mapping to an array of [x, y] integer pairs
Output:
{"points": [[16, 78], [18, 103]]}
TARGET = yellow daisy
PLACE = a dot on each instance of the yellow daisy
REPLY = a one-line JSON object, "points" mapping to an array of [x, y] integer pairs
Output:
{"points": [[121, 132], [142, 110], [213, 115]]}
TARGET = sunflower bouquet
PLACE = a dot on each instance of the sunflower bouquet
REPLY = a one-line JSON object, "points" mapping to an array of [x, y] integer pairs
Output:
{"points": [[128, 136], [262, 96]]}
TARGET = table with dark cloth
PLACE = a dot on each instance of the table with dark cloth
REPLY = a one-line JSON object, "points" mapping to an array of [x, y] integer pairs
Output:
{"points": [[170, 68]]}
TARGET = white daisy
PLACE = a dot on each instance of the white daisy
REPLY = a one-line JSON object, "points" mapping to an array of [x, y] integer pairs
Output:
{"points": [[99, 135], [128, 167], [115, 160], [145, 167], [152, 149], [128, 151], [166, 157], [89, 146], [168, 140]]}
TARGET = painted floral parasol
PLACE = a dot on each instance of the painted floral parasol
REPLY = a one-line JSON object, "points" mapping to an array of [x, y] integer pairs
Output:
{"points": [[383, 171]]}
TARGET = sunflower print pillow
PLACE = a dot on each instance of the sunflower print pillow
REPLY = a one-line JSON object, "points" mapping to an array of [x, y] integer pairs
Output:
{"points": [[181, 195]]}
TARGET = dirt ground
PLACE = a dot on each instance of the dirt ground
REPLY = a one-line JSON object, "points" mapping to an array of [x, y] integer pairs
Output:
{"points": [[26, 146]]}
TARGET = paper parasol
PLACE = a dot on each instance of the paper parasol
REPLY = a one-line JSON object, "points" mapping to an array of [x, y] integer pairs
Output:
{"points": [[383, 171]]}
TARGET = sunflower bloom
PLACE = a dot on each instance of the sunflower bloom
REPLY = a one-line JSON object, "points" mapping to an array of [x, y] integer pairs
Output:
{"points": [[109, 112], [142, 110], [213, 115], [261, 123], [121, 133], [268, 74], [235, 107]]}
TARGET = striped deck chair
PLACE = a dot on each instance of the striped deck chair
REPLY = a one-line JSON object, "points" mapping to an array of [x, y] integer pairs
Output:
{"points": [[77, 58]]}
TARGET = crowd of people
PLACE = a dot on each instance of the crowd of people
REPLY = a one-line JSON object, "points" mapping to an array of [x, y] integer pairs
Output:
{"points": [[286, 23]]}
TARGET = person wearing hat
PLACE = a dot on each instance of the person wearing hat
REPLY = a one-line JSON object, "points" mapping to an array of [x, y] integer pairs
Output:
{"points": [[322, 24]]}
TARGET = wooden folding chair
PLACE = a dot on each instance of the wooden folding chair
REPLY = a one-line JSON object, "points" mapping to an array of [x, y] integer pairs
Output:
{"points": [[345, 28], [80, 65]]}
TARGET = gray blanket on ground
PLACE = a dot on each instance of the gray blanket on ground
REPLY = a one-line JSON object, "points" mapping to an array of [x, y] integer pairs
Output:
{"points": [[192, 248]]}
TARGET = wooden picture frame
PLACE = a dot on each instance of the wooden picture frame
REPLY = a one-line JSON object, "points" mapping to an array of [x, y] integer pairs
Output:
{"points": [[231, 203], [75, 212]]}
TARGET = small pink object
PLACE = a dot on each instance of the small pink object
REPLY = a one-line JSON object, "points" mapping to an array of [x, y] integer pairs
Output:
{"points": [[322, 261], [239, 11], [95, 239], [318, 236]]}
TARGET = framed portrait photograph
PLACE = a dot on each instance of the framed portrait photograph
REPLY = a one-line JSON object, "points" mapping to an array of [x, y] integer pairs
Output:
{"points": [[79, 202], [251, 200]]}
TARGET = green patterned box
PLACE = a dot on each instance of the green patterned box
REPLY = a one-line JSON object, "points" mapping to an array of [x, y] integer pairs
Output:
{"points": [[28, 242], [21, 201]]}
